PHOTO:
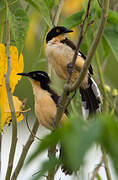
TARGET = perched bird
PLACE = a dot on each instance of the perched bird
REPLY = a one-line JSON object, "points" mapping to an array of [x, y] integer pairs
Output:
{"points": [[59, 52], [46, 99]]}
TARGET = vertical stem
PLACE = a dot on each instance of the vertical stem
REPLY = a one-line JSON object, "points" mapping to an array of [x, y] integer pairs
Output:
{"points": [[58, 12], [52, 150], [25, 150], [105, 160], [10, 101], [102, 82]]}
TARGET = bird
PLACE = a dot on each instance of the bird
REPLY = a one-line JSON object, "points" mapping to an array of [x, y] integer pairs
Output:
{"points": [[46, 102], [59, 54], [46, 99]]}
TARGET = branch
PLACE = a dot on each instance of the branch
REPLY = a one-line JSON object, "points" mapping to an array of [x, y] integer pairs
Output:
{"points": [[66, 91], [11, 105], [93, 46], [55, 23], [81, 36], [52, 150], [58, 12], [25, 150], [105, 160], [95, 171]]}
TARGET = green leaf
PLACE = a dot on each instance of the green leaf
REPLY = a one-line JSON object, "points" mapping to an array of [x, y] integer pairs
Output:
{"points": [[78, 139], [73, 20], [47, 166], [111, 37], [110, 137], [42, 8], [47, 142], [2, 5], [19, 24], [98, 177], [50, 3]]}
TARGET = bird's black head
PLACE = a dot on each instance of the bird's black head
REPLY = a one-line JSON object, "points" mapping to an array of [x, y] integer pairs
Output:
{"points": [[39, 76], [55, 31]]}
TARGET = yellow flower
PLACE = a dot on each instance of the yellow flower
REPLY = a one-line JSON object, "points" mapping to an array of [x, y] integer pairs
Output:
{"points": [[17, 66]]}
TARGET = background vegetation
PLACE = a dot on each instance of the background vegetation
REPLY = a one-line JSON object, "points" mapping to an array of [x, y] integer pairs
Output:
{"points": [[29, 22]]}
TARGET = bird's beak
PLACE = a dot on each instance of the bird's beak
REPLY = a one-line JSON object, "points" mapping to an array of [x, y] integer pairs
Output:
{"points": [[23, 74], [68, 31]]}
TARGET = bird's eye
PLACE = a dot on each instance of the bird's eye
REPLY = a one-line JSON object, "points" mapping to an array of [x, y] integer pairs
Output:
{"points": [[34, 75], [57, 30]]}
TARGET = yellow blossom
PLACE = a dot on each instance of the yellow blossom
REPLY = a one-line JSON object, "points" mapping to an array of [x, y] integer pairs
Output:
{"points": [[17, 66]]}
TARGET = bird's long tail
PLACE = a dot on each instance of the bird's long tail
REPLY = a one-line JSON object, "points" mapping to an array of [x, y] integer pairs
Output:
{"points": [[91, 98]]}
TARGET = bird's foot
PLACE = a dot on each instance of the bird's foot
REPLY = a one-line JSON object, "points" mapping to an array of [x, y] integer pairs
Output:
{"points": [[70, 67]]}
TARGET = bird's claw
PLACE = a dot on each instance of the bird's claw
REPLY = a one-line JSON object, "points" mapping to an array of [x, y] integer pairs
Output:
{"points": [[70, 67]]}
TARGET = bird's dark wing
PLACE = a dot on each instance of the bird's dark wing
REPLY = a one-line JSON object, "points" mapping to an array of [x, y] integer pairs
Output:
{"points": [[73, 46], [54, 95]]}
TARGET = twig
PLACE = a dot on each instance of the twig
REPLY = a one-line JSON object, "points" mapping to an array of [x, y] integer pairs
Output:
{"points": [[52, 150], [30, 129], [55, 23], [67, 87], [81, 36], [105, 160], [25, 150], [51, 153], [93, 46], [58, 12], [11, 105], [95, 171]]}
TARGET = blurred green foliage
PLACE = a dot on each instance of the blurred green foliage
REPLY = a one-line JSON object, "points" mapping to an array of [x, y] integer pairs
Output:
{"points": [[77, 136]]}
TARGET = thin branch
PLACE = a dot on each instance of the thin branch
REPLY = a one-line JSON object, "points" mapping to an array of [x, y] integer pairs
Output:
{"points": [[95, 171], [58, 12], [66, 91], [33, 135], [52, 150], [105, 160], [51, 153], [81, 36], [93, 46], [25, 150], [55, 23], [11, 105]]}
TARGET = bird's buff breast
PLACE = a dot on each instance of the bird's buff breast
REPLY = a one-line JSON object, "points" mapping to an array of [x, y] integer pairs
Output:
{"points": [[58, 56]]}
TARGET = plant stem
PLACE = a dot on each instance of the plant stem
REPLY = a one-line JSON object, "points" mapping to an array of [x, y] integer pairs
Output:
{"points": [[105, 160], [10, 101], [25, 150], [93, 46], [52, 150], [2, 19], [102, 82], [58, 12]]}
